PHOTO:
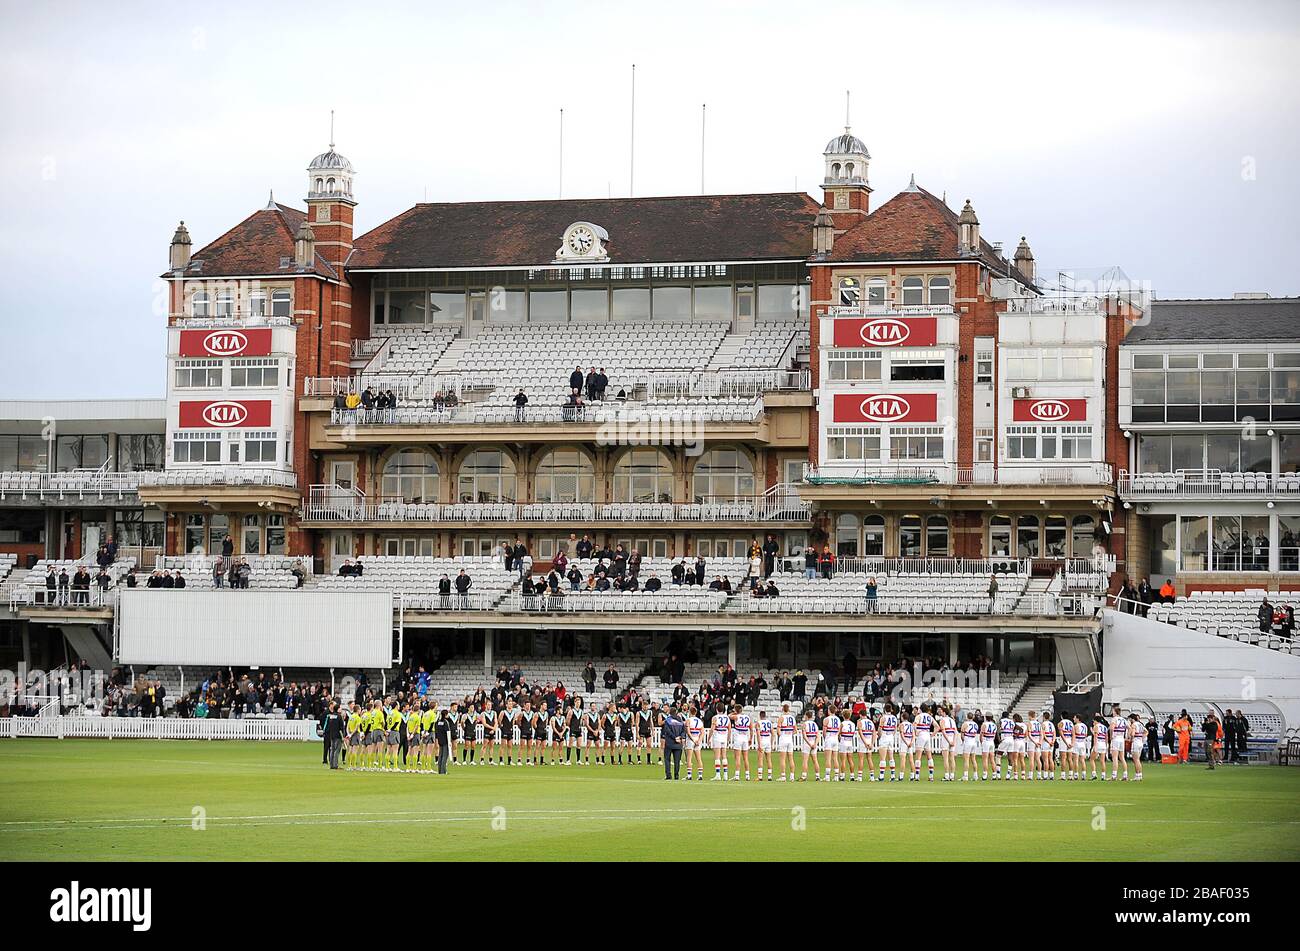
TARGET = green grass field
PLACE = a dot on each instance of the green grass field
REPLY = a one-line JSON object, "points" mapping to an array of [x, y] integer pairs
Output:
{"points": [[135, 800]]}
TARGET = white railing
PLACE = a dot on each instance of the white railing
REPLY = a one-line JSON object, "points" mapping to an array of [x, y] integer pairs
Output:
{"points": [[330, 503], [406, 387], [1093, 474], [96, 484], [629, 602], [235, 320], [39, 596], [726, 383], [156, 728], [1005, 605], [425, 601], [885, 567], [1206, 484], [889, 309], [681, 414]]}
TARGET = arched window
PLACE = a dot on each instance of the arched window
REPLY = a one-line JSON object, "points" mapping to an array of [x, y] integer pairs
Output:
{"points": [[909, 537], [1083, 536], [1027, 536], [913, 291], [940, 291], [846, 536], [410, 475], [723, 474], [873, 536], [877, 291], [850, 292], [1000, 536], [936, 536], [643, 475], [320, 185], [565, 475], [486, 475], [848, 169], [329, 185], [835, 170], [199, 303], [1054, 536], [280, 304]]}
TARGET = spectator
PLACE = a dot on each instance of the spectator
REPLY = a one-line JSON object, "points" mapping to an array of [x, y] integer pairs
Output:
{"points": [[218, 571], [463, 583], [810, 562], [611, 678], [576, 381], [872, 590], [699, 571], [178, 579], [299, 572], [227, 548], [992, 592], [770, 550], [1167, 593], [584, 548], [51, 584], [772, 590], [444, 592], [800, 685], [1212, 730], [1265, 616], [652, 583], [826, 562], [521, 400], [589, 677]]}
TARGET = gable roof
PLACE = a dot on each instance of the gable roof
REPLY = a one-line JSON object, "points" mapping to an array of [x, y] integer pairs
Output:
{"points": [[1197, 321], [527, 234], [259, 245], [914, 225]]}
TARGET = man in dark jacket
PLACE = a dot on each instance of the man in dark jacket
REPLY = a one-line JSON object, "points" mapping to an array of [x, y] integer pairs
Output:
{"points": [[576, 381], [331, 731], [1265, 616], [672, 731], [770, 550]]}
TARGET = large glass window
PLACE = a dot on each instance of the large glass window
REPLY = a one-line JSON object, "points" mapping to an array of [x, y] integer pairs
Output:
{"points": [[936, 536], [588, 303], [1027, 536], [940, 291], [853, 443], [138, 452], [846, 536], [909, 536], [643, 475], [565, 475], [410, 475], [1000, 536], [447, 306], [486, 475], [631, 303], [1288, 537], [873, 536], [671, 303], [1083, 536], [855, 365], [1195, 548], [80, 452], [1055, 536], [782, 301], [713, 302], [723, 474], [551, 304], [913, 291], [850, 292]]}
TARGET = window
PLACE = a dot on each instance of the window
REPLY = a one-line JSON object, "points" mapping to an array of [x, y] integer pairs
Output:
{"points": [[984, 441], [225, 303], [251, 535], [915, 443], [643, 475], [200, 304], [588, 303], [873, 536], [140, 452], [197, 447], [1000, 536], [877, 291], [1083, 536], [257, 304], [198, 373], [913, 291], [909, 537], [777, 301], [195, 533], [1195, 548], [846, 536], [551, 304], [940, 291], [671, 303], [936, 536], [80, 452], [713, 302], [723, 474], [631, 303], [410, 475], [850, 292], [850, 365], [1049, 443], [275, 535], [1054, 536], [565, 475], [254, 371], [1027, 536], [259, 448], [280, 304], [853, 443], [984, 366], [139, 529], [908, 370], [486, 475]]}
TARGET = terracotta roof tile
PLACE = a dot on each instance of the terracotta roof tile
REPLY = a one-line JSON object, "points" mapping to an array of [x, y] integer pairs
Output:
{"points": [[258, 245]]}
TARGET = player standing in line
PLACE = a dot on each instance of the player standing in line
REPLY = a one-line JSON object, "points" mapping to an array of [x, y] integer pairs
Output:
{"points": [[1021, 745], [352, 751], [1033, 745], [970, 747], [811, 739], [1048, 752], [907, 767], [1006, 746], [626, 734], [741, 734], [485, 725], [1137, 739], [1118, 734], [831, 742], [786, 728], [694, 744], [558, 737], [644, 727], [1065, 743], [595, 735], [428, 721], [609, 732], [1100, 746], [848, 742], [923, 725], [888, 740], [392, 723], [1081, 740], [947, 733], [867, 746], [720, 731], [765, 731], [988, 746], [522, 733], [412, 718]]}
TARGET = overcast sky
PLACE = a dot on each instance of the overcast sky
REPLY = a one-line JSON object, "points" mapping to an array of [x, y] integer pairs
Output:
{"points": [[1159, 137]]}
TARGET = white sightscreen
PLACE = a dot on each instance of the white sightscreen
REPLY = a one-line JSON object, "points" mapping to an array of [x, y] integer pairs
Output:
{"points": [[256, 628]]}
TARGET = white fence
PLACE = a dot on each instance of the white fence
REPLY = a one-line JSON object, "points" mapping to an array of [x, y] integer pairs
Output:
{"points": [[156, 728]]}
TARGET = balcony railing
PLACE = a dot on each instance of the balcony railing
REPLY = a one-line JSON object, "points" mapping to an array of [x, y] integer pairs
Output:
{"points": [[96, 484], [610, 412], [1207, 484], [331, 503], [1090, 473], [890, 310]]}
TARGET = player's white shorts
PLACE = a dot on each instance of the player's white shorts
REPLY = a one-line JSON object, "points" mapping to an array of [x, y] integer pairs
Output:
{"points": [[1064, 745], [1081, 747], [947, 742], [986, 744], [889, 741], [1007, 744], [1019, 746], [689, 745], [720, 744], [1135, 747], [921, 743], [765, 744], [1102, 748], [866, 742], [831, 742], [740, 742], [785, 743], [970, 745]]}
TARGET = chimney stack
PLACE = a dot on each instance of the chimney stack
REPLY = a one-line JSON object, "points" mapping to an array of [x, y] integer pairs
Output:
{"points": [[180, 248], [968, 230], [304, 246], [823, 232], [1024, 260]]}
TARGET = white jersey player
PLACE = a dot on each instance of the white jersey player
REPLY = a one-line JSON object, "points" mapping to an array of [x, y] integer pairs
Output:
{"points": [[765, 735], [787, 736]]}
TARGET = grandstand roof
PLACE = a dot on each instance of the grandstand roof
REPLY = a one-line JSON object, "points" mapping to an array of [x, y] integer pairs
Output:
{"points": [[914, 225], [1251, 320], [522, 234], [261, 244]]}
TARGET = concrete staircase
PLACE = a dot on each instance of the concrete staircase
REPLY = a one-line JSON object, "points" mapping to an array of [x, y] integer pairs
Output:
{"points": [[725, 355], [1036, 696], [450, 359]]}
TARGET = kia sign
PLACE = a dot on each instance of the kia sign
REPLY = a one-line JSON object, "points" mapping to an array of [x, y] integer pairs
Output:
{"points": [[225, 414], [226, 342], [886, 332], [886, 408], [1049, 411]]}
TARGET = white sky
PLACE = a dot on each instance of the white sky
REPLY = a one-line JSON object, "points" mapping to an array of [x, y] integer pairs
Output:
{"points": [[1110, 134]]}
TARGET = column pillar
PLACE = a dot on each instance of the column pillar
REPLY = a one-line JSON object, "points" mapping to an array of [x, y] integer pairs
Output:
{"points": [[731, 648]]}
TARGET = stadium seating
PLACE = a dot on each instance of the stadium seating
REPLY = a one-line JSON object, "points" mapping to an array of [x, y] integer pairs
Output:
{"points": [[1230, 614], [461, 676], [413, 350], [417, 577]]}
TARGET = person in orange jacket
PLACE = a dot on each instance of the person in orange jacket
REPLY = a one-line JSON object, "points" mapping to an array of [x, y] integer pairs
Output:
{"points": [[1183, 725]]}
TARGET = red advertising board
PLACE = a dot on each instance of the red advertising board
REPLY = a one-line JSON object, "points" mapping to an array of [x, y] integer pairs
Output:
{"points": [[225, 414], [1049, 410], [886, 408], [226, 342], [886, 331]]}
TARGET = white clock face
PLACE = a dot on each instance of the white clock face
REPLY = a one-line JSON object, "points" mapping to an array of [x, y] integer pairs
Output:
{"points": [[581, 240]]}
